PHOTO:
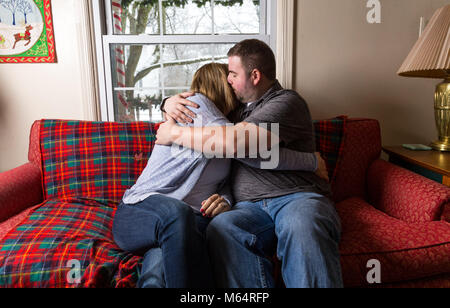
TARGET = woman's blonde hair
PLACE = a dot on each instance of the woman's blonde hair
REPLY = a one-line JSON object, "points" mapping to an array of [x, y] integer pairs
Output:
{"points": [[211, 81]]}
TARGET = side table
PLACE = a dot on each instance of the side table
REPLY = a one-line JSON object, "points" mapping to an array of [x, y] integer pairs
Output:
{"points": [[432, 164]]}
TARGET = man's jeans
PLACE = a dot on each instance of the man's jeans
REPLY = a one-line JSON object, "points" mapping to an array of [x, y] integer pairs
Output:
{"points": [[304, 228], [166, 232]]}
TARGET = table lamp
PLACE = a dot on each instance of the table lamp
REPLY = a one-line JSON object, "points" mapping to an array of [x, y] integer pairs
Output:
{"points": [[430, 58]]}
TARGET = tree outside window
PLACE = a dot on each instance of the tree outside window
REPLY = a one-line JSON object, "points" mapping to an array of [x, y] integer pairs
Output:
{"points": [[159, 55]]}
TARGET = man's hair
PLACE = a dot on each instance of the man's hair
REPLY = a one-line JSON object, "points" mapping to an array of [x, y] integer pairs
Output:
{"points": [[211, 81], [255, 54]]}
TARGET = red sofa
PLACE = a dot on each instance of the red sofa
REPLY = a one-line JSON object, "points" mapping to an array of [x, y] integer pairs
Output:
{"points": [[56, 211]]}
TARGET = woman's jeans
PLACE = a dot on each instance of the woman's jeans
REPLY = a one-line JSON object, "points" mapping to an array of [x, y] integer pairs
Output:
{"points": [[303, 228], [169, 235]]}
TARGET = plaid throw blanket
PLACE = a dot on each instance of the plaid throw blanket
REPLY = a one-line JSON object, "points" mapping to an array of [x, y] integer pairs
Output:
{"points": [[93, 160], [329, 142], [66, 243], [87, 166]]}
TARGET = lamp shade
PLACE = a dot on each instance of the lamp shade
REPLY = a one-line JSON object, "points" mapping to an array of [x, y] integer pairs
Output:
{"points": [[430, 56]]}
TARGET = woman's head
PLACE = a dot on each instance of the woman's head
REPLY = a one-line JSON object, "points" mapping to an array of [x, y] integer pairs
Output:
{"points": [[211, 81]]}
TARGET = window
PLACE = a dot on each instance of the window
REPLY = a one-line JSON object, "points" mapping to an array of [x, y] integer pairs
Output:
{"points": [[150, 49]]}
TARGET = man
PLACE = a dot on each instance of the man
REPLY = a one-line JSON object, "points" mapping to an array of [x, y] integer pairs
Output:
{"points": [[289, 210]]}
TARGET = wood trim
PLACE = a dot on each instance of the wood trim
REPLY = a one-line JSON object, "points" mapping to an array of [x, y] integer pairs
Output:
{"points": [[446, 180]]}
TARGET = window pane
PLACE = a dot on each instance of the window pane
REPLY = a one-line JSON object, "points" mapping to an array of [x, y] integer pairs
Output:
{"points": [[143, 74], [172, 92], [135, 66], [188, 19], [141, 105], [181, 61], [243, 17], [135, 17]]}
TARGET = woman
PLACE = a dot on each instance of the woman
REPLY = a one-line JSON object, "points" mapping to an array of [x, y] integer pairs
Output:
{"points": [[164, 215]]}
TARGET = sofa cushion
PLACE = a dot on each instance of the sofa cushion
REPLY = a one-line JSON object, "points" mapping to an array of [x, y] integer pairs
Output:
{"points": [[60, 237], [406, 251], [34, 150], [100, 160], [362, 145], [94, 160]]}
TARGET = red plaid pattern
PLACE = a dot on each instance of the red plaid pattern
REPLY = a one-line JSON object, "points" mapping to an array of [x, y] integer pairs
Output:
{"points": [[93, 160], [43, 250], [329, 142]]}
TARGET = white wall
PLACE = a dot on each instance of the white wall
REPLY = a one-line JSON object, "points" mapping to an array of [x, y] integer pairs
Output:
{"points": [[345, 65], [30, 92]]}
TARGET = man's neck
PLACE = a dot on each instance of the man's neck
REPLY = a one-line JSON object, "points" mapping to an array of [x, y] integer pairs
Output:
{"points": [[263, 90]]}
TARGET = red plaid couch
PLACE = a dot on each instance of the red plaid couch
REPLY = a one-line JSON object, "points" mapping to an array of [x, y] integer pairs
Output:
{"points": [[56, 211]]}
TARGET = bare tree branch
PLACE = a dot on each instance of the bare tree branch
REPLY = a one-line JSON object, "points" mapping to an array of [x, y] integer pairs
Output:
{"points": [[152, 67]]}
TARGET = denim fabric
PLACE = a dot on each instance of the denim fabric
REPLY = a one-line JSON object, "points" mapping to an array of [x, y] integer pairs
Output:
{"points": [[303, 228], [172, 225], [152, 273]]}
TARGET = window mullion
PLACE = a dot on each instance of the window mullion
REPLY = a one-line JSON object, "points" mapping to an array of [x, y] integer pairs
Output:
{"points": [[108, 82], [108, 17], [161, 50], [161, 23], [180, 39], [213, 27]]}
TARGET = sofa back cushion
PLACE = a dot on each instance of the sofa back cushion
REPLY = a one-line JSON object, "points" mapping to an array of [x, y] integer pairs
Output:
{"points": [[361, 147], [100, 160], [93, 160]]}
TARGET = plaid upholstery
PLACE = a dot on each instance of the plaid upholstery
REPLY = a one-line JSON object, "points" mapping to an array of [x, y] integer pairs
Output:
{"points": [[329, 142], [86, 168], [93, 160], [39, 252]]}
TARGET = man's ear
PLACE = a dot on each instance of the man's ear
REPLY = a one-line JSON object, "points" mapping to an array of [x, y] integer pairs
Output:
{"points": [[256, 77]]}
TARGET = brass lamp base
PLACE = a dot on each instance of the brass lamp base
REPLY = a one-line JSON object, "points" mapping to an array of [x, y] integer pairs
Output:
{"points": [[442, 115], [443, 146]]}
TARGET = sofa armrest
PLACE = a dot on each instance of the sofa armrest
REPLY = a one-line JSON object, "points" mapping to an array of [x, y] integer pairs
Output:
{"points": [[20, 188], [446, 213], [405, 195]]}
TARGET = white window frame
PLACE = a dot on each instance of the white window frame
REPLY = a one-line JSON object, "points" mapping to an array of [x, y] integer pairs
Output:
{"points": [[104, 38]]}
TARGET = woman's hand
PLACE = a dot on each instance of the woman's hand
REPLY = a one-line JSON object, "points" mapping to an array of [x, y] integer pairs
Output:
{"points": [[175, 107], [321, 167], [214, 206]]}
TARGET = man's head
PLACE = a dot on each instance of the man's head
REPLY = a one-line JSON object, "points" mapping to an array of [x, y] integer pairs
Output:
{"points": [[252, 68]]}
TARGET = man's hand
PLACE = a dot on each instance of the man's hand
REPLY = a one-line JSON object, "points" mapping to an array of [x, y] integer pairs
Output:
{"points": [[321, 167], [214, 206], [166, 133], [175, 107]]}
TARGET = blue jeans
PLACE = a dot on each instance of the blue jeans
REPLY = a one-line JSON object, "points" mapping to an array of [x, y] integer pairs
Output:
{"points": [[303, 228], [165, 231]]}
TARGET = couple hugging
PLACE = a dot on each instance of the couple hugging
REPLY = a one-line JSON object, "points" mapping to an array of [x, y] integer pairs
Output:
{"points": [[204, 222]]}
